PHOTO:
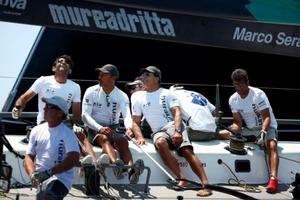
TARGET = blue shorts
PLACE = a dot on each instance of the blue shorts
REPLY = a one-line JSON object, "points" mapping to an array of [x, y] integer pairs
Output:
{"points": [[55, 189]]}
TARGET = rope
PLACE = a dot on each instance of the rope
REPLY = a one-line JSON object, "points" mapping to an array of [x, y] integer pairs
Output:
{"points": [[2, 194], [289, 159], [237, 146], [240, 183]]}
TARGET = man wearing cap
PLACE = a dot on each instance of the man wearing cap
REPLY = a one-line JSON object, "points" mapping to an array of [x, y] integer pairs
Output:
{"points": [[52, 152], [102, 106], [134, 86], [58, 85], [161, 109]]}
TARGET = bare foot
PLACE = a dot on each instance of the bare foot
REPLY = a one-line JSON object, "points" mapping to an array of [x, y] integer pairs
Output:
{"points": [[204, 193]]}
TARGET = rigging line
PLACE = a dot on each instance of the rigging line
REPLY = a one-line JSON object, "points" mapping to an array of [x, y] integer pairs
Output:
{"points": [[168, 83]]}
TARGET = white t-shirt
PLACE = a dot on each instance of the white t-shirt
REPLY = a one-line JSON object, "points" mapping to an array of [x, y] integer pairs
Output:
{"points": [[251, 106], [197, 110], [154, 106], [99, 109], [50, 146], [47, 86]]}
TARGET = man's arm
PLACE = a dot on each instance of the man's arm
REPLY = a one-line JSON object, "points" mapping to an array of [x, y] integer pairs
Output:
{"points": [[72, 158], [21, 103], [76, 112], [136, 120], [29, 164], [265, 113], [237, 122], [177, 137], [24, 98]]}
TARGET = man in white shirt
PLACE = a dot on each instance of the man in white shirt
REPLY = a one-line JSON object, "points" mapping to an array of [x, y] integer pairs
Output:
{"points": [[198, 113], [52, 152], [102, 107], [161, 109], [251, 105], [57, 85]]}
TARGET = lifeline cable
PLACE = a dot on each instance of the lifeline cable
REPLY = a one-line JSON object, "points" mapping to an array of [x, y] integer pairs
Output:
{"points": [[240, 183]]}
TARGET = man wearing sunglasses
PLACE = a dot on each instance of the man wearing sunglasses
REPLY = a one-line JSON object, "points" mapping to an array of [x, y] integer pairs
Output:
{"points": [[161, 109], [58, 85], [102, 106], [52, 152]]}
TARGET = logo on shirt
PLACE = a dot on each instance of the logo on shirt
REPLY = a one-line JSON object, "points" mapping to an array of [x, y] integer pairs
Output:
{"points": [[145, 105], [50, 91], [61, 151], [258, 115], [165, 108], [198, 99]]}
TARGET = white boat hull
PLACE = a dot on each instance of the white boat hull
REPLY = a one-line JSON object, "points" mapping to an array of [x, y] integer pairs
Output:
{"points": [[251, 168]]}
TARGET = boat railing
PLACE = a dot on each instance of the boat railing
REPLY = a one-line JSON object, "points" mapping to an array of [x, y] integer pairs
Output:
{"points": [[294, 123]]}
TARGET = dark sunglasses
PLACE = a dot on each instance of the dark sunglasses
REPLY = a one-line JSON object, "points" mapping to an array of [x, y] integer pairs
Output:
{"points": [[50, 106], [148, 74]]}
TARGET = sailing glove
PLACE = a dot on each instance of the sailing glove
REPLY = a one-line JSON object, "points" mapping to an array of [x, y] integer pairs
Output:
{"points": [[261, 138], [16, 112], [41, 176]]}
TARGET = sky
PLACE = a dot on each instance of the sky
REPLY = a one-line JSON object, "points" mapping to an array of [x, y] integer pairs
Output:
{"points": [[16, 41]]}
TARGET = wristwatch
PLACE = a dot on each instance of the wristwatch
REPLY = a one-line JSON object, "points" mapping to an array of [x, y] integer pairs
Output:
{"points": [[178, 130], [18, 107]]}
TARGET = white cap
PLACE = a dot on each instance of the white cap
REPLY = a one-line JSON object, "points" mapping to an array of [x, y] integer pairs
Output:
{"points": [[57, 101]]}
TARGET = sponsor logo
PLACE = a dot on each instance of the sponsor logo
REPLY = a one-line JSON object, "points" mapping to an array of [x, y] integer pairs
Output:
{"points": [[16, 4], [165, 108], [280, 39], [146, 22]]}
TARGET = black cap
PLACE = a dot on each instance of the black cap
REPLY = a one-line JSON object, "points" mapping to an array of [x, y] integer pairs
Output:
{"points": [[153, 70], [109, 68]]}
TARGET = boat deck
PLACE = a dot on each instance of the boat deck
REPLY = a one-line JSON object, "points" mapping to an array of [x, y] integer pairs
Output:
{"points": [[250, 168], [155, 192]]}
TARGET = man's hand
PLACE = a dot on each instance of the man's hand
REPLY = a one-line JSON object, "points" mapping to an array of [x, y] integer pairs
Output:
{"points": [[106, 131], [177, 138], [39, 177], [77, 129], [16, 112]]}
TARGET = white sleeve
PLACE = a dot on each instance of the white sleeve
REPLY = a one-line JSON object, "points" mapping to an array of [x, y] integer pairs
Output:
{"points": [[125, 109], [262, 101], [87, 107], [37, 85], [172, 99], [210, 106], [31, 144], [72, 144], [232, 105], [77, 95], [135, 104]]}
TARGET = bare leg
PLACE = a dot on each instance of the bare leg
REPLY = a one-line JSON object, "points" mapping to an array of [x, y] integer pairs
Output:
{"points": [[125, 154], [273, 157], [169, 159], [197, 168], [86, 145], [195, 163], [107, 147]]}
